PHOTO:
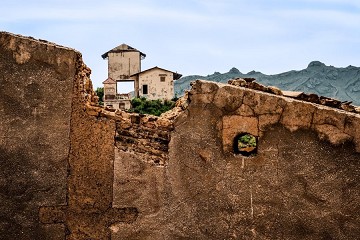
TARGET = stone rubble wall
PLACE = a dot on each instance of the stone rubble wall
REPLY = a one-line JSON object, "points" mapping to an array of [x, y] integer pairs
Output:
{"points": [[145, 136], [314, 98], [257, 111]]}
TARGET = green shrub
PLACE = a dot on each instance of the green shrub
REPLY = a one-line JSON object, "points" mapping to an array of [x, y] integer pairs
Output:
{"points": [[247, 140], [100, 93], [152, 107]]}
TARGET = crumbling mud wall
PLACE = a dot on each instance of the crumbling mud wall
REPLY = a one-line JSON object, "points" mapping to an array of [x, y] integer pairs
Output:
{"points": [[141, 157], [36, 82], [301, 183], [72, 170], [56, 151]]}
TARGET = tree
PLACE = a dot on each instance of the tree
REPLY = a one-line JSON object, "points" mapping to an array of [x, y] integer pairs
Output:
{"points": [[153, 107], [100, 93]]}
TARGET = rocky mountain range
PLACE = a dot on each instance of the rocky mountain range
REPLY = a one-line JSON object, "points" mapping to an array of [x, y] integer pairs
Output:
{"points": [[318, 78]]}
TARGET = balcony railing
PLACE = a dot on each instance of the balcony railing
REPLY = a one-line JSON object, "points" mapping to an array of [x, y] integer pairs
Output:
{"points": [[123, 96]]}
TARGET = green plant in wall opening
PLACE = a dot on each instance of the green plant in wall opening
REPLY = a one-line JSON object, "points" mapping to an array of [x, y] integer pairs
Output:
{"points": [[247, 140], [246, 144]]}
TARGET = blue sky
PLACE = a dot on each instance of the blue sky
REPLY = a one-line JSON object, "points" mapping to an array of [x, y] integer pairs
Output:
{"points": [[197, 36]]}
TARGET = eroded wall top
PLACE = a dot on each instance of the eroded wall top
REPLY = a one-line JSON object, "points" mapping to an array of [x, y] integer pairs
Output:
{"points": [[257, 109]]}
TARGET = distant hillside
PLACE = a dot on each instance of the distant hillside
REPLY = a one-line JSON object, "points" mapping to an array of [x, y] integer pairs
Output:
{"points": [[329, 81]]}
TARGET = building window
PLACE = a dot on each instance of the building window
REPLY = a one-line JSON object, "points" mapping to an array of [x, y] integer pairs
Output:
{"points": [[145, 89], [162, 78]]}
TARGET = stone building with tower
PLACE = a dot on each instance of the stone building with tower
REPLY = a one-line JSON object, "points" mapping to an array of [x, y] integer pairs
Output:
{"points": [[124, 65]]}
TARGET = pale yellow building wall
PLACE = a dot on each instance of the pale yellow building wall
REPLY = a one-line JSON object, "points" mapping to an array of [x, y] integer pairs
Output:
{"points": [[123, 64], [156, 88], [122, 104], [110, 89]]}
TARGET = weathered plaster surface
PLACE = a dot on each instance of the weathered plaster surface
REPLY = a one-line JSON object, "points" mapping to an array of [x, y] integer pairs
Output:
{"points": [[56, 152], [156, 88], [36, 83], [302, 184], [123, 64]]}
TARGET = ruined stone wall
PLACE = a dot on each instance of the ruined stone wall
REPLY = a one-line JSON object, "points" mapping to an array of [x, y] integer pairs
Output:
{"points": [[36, 82], [56, 151], [71, 170], [300, 184], [141, 155]]}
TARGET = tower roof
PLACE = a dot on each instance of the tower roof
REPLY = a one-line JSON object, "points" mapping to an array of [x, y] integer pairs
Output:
{"points": [[123, 48]]}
